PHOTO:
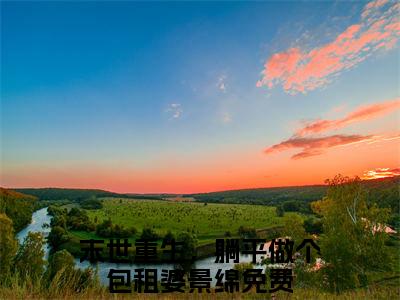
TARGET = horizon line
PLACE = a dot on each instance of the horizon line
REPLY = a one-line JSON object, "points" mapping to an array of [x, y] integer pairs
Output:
{"points": [[164, 193]]}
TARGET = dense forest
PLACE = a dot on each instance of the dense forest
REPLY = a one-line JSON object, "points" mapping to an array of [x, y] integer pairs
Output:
{"points": [[384, 192], [77, 195], [55, 194], [294, 198], [17, 206]]}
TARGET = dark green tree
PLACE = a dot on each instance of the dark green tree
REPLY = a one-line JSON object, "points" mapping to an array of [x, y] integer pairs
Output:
{"points": [[280, 211], [353, 241], [8, 246], [18, 207], [169, 236], [60, 261], [313, 225], [92, 203], [57, 236], [293, 228], [247, 232], [189, 245], [149, 234], [29, 261]]}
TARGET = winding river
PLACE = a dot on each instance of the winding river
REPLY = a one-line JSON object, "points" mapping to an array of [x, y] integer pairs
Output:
{"points": [[40, 218]]}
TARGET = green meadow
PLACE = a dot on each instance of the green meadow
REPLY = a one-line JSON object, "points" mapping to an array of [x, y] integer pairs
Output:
{"points": [[206, 221]]}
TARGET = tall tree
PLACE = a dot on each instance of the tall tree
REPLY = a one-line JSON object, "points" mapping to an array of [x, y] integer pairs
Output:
{"points": [[8, 246], [352, 242], [29, 261], [189, 244], [60, 261], [293, 228], [57, 236]]}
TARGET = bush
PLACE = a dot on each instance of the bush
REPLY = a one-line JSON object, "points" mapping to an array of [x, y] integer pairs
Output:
{"points": [[92, 203], [149, 234], [108, 230], [59, 220], [62, 275], [77, 219], [29, 262], [227, 234], [57, 236], [247, 232], [169, 236], [60, 261], [280, 211], [189, 245], [313, 225]]}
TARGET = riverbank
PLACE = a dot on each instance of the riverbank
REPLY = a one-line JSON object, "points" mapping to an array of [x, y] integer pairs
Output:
{"points": [[205, 261], [40, 222]]}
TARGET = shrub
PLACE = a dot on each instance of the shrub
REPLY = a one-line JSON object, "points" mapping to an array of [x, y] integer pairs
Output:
{"points": [[149, 234], [247, 232]]}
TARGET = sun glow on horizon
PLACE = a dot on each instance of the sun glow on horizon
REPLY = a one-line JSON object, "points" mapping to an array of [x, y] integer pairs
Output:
{"points": [[380, 173]]}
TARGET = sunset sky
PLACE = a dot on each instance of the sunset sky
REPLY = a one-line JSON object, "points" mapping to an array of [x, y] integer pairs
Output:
{"points": [[182, 97]]}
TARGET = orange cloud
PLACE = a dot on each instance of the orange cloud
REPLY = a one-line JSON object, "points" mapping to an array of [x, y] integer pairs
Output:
{"points": [[299, 70], [312, 146], [381, 173], [362, 113]]}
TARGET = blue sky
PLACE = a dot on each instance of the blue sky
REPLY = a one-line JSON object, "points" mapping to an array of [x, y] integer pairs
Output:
{"points": [[127, 88]]}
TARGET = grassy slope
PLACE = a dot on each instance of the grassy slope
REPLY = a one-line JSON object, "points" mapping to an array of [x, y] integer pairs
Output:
{"points": [[36, 291], [17, 206], [206, 221]]}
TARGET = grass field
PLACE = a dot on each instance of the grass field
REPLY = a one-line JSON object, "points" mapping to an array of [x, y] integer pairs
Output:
{"points": [[206, 221], [381, 291]]}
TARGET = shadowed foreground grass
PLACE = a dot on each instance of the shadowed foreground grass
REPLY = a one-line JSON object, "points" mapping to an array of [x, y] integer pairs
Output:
{"points": [[34, 291]]}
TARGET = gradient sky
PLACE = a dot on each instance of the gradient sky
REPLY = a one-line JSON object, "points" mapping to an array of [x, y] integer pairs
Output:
{"points": [[184, 97]]}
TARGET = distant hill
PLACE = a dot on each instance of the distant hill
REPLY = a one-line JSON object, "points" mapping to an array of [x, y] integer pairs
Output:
{"points": [[67, 194], [266, 196], [17, 206], [383, 191], [78, 195]]}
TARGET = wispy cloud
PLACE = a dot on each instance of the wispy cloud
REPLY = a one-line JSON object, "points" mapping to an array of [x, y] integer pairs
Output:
{"points": [[175, 110], [311, 146], [362, 113], [301, 70], [221, 83], [380, 173]]}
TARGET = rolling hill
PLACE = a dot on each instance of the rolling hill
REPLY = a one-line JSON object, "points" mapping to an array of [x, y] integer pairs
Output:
{"points": [[17, 206]]}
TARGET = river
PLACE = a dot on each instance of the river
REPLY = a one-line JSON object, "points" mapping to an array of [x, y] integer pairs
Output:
{"points": [[40, 218]]}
